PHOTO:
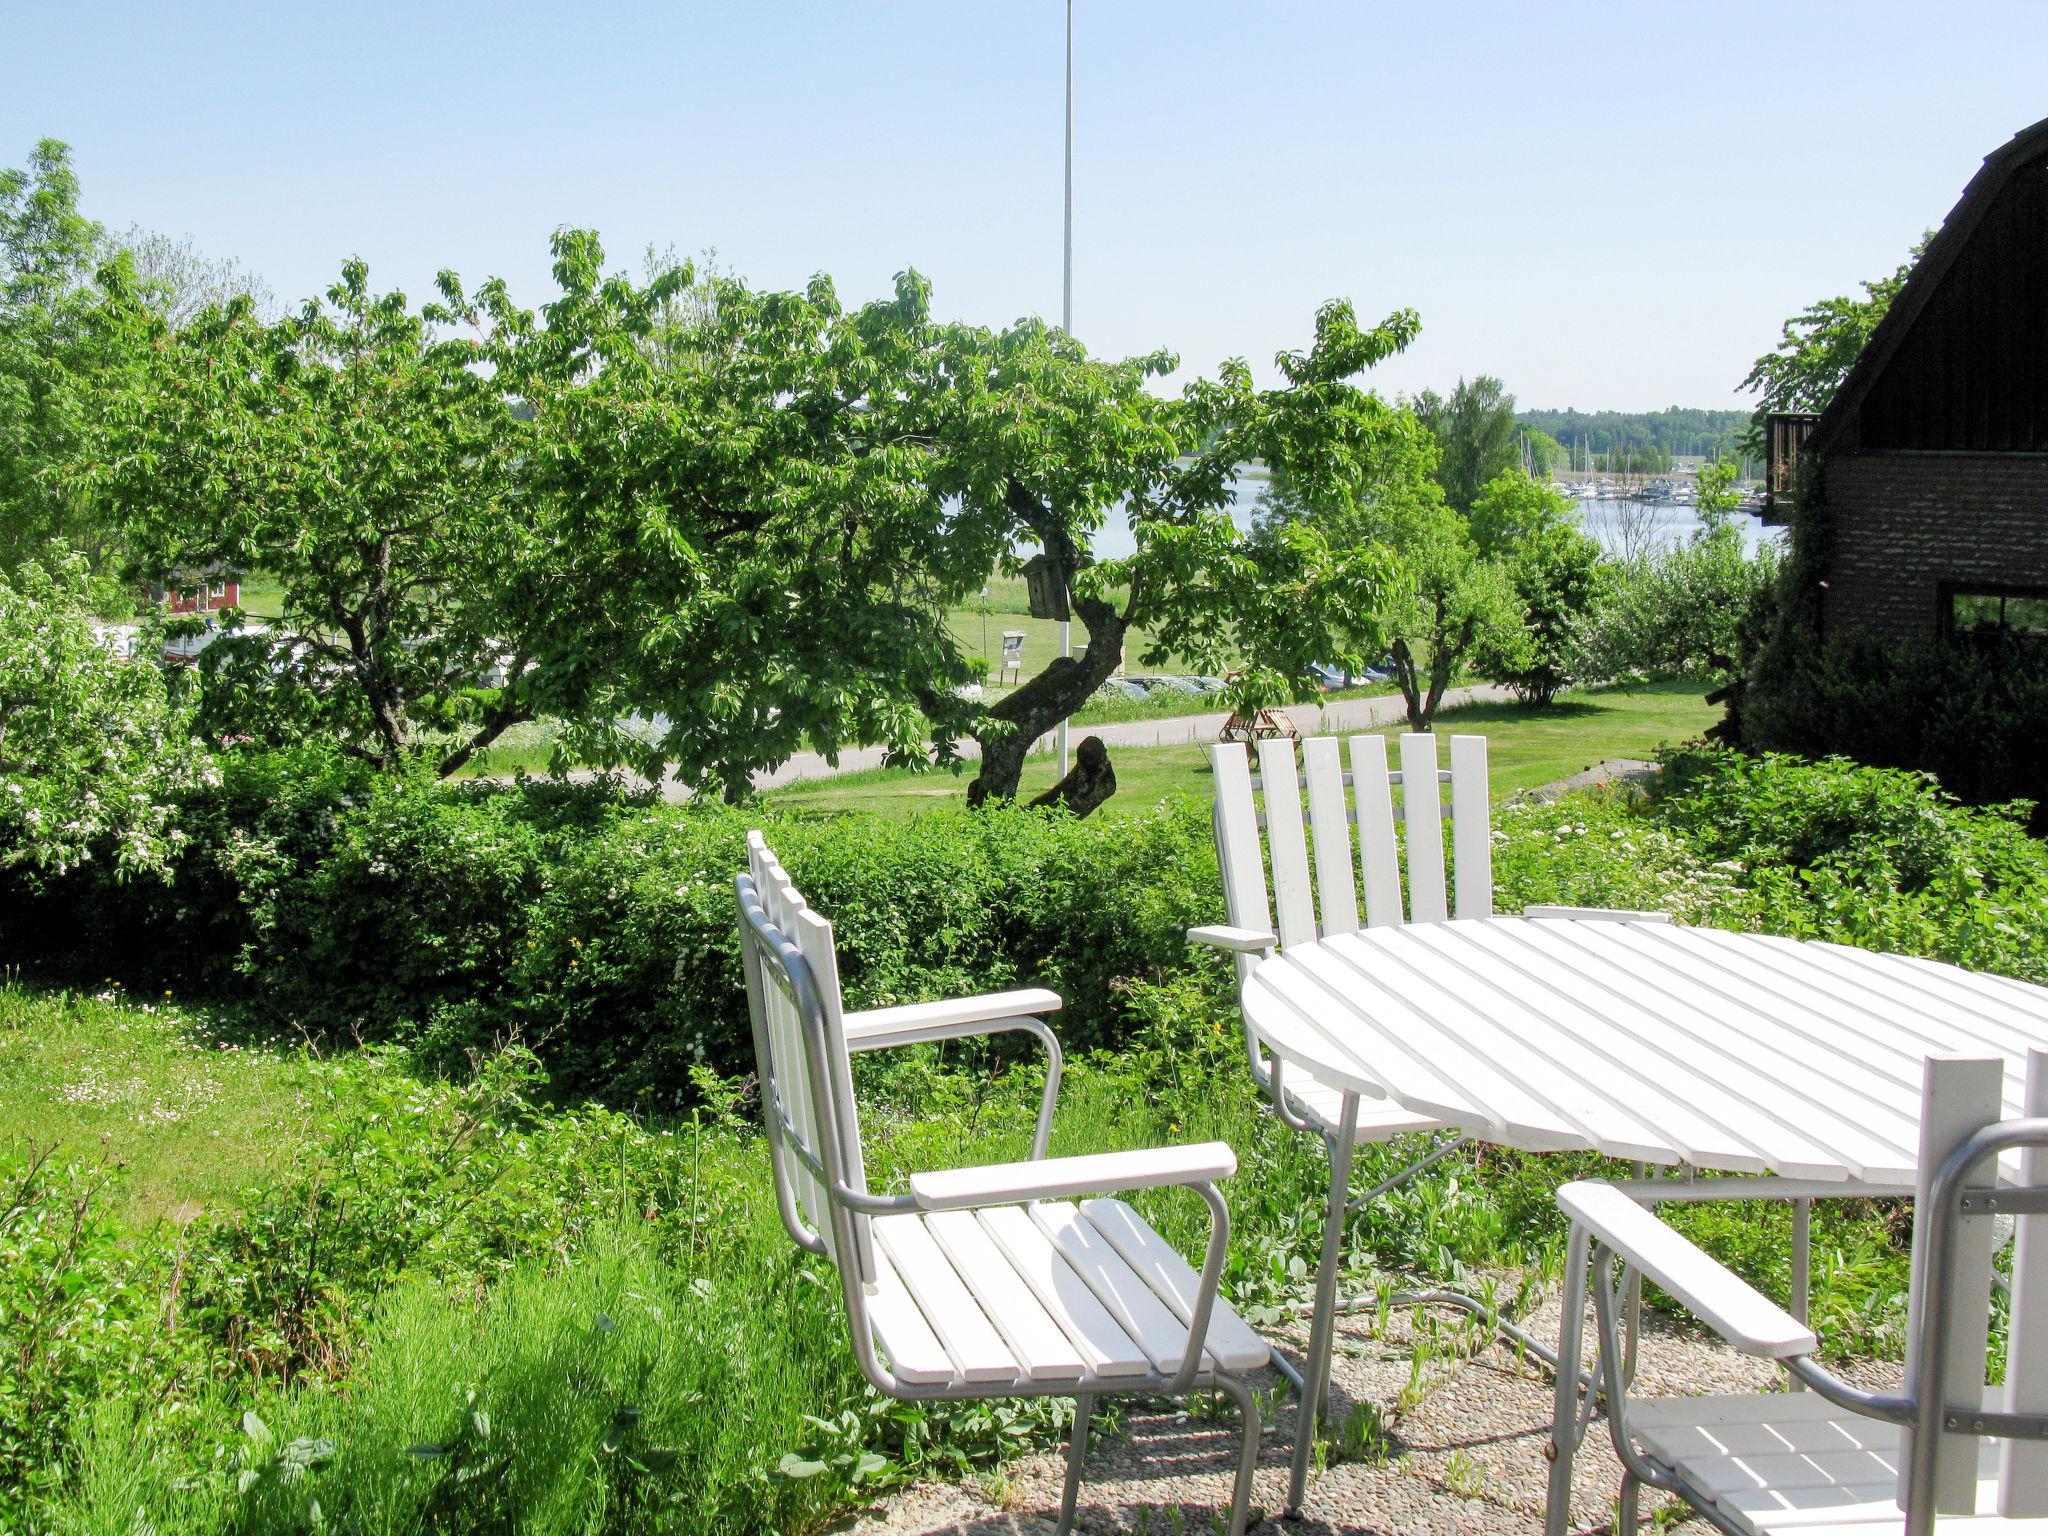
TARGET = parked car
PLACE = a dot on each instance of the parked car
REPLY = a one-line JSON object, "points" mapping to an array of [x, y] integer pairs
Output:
{"points": [[1354, 677]]}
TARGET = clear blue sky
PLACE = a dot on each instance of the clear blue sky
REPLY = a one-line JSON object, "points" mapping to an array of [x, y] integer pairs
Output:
{"points": [[1607, 205]]}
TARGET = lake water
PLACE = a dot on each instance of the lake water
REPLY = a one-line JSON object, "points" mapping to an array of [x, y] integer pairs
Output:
{"points": [[1616, 524]]}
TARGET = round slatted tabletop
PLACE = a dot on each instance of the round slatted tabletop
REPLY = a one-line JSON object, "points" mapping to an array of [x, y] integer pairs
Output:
{"points": [[1738, 1052]]}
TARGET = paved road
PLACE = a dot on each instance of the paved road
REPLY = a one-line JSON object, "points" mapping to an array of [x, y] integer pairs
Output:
{"points": [[1309, 719]]}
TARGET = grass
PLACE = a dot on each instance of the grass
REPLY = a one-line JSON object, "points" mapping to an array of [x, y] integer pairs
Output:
{"points": [[1526, 748], [194, 1118]]}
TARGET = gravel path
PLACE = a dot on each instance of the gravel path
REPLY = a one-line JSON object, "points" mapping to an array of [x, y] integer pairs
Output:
{"points": [[1462, 1453]]}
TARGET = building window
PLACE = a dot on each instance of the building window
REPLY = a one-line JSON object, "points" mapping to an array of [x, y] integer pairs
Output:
{"points": [[1997, 613]]}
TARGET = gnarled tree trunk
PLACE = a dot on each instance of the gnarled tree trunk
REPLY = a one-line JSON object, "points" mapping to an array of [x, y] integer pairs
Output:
{"points": [[1012, 726]]}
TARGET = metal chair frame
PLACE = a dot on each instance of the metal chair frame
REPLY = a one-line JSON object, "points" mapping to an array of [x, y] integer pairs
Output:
{"points": [[1945, 1352], [828, 1153]]}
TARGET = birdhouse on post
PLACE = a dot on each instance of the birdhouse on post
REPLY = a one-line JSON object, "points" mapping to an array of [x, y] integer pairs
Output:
{"points": [[1047, 589]]}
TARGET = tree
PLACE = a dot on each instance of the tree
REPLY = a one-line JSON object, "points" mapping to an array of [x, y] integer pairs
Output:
{"points": [[1512, 508], [1684, 612], [180, 281], [1451, 606], [61, 359], [48, 359], [1555, 578], [1476, 436], [1817, 347], [1560, 581], [94, 748], [1717, 497], [359, 454], [799, 492], [1542, 454], [1447, 600]]}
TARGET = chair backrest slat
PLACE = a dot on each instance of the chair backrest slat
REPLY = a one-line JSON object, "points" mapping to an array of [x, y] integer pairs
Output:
{"points": [[1379, 856], [1308, 898], [1960, 1095], [1237, 840], [807, 1075], [1471, 827], [1423, 821], [814, 941], [2023, 1464], [1293, 897], [785, 1075], [1336, 888]]}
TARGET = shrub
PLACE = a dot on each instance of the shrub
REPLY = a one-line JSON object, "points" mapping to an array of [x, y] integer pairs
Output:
{"points": [[1877, 857], [93, 747], [1602, 850], [76, 1310], [1560, 580], [631, 974], [1684, 612], [1972, 715]]}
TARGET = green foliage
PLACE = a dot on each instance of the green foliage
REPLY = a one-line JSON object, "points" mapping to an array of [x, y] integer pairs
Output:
{"points": [[1475, 435], [1650, 439], [458, 1298], [1448, 601], [358, 453], [1693, 611], [1816, 349], [74, 1311], [364, 907], [1970, 714], [94, 748], [52, 362], [1875, 857], [1601, 849], [1561, 581]]}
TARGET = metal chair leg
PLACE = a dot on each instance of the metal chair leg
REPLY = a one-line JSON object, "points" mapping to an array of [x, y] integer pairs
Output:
{"points": [[1323, 1329], [1077, 1453], [1248, 1458], [1628, 1510], [1564, 1430]]}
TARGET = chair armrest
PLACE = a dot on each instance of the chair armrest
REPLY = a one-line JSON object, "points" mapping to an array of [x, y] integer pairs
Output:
{"points": [[910, 1022], [1727, 1303], [1247, 941], [1597, 914], [1057, 1178]]}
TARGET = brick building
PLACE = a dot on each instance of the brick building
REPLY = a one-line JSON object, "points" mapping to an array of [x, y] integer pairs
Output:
{"points": [[1927, 475]]}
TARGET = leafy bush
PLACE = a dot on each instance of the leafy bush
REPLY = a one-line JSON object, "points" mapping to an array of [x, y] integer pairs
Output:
{"points": [[1691, 611], [600, 929], [1602, 850], [1560, 581], [93, 747], [1973, 715], [1877, 857], [76, 1310]]}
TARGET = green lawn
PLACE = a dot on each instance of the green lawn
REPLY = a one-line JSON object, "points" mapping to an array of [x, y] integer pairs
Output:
{"points": [[1527, 747], [195, 1118]]}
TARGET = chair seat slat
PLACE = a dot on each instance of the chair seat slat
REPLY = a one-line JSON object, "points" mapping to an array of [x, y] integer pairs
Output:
{"points": [[970, 1339], [1039, 1343], [1171, 1278], [913, 1349], [1105, 1344]]}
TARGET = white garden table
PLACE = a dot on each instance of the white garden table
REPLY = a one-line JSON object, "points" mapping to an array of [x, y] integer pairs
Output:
{"points": [[1662, 1044], [1734, 1053]]}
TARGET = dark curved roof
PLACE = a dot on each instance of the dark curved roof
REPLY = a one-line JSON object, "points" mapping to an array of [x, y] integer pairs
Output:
{"points": [[2024, 149]]}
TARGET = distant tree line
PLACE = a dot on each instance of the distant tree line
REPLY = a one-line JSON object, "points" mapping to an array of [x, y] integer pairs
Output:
{"points": [[1641, 442]]}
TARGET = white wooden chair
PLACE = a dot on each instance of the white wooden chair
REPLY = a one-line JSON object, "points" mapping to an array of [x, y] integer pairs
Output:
{"points": [[1835, 1460], [1309, 805], [997, 1281]]}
